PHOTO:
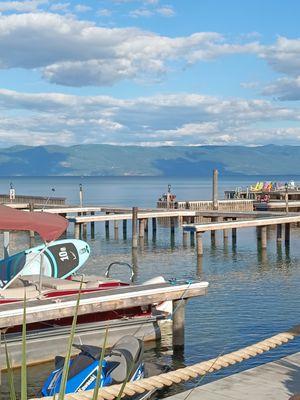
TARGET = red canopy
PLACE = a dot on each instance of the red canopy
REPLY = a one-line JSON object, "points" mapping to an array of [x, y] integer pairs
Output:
{"points": [[48, 226]]}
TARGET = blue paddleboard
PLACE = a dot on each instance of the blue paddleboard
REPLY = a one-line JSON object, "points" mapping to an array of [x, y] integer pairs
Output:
{"points": [[61, 259]]}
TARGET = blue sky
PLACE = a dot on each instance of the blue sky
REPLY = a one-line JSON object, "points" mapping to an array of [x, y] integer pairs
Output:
{"points": [[149, 72]]}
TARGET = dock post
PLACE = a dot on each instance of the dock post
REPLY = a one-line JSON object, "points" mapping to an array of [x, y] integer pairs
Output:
{"points": [[172, 223], [92, 227], [225, 232], [264, 237], [124, 229], [77, 230], [107, 228], [287, 234], [233, 233], [184, 238], [116, 230], [141, 228], [84, 228], [199, 244], [134, 223], [178, 323], [215, 190], [279, 233], [154, 226], [213, 233], [146, 225]]}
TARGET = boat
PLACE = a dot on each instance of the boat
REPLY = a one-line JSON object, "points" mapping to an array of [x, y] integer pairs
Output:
{"points": [[52, 333], [124, 362]]}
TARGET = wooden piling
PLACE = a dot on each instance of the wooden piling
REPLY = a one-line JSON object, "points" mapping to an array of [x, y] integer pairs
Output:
{"points": [[184, 238], [178, 323], [77, 230], [287, 233], [199, 244], [124, 229], [264, 237], [107, 229], [172, 224], [84, 228], [116, 230], [92, 227], [146, 225], [154, 226], [279, 233], [134, 223], [225, 232], [141, 228]]}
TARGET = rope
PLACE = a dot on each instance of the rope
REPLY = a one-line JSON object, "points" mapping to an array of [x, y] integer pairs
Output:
{"points": [[188, 373]]}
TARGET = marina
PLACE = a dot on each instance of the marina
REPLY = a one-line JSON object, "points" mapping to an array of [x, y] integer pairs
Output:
{"points": [[142, 254]]}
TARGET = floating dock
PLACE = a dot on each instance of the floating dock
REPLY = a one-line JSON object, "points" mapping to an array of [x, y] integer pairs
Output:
{"points": [[277, 380]]}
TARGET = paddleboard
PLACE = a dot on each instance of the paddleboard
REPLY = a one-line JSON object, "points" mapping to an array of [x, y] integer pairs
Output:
{"points": [[60, 260]]}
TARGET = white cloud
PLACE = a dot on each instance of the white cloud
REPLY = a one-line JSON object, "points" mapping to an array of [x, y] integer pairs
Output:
{"points": [[82, 8], [141, 12], [79, 53], [104, 12], [286, 88], [166, 11], [60, 7], [283, 56], [21, 6], [178, 119]]}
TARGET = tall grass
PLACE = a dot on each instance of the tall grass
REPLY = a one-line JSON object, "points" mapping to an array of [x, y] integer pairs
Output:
{"points": [[61, 395]]}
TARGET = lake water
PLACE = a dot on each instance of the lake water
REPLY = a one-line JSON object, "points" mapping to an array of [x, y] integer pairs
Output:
{"points": [[252, 294]]}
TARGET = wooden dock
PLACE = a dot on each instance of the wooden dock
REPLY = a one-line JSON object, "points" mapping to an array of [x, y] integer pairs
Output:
{"points": [[261, 223], [277, 380]]}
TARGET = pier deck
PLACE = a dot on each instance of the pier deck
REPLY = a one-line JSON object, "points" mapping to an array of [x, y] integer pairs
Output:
{"points": [[214, 226], [277, 380], [114, 299]]}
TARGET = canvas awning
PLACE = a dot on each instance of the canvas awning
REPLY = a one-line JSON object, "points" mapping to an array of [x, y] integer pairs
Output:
{"points": [[48, 226]]}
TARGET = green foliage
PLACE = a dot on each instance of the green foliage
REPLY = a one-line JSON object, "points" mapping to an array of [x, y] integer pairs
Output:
{"points": [[65, 373], [12, 391], [99, 372], [24, 364]]}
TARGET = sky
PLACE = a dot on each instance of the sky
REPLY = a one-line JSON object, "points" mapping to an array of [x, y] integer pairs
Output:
{"points": [[149, 72]]}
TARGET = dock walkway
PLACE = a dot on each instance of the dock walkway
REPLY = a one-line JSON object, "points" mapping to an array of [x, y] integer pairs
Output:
{"points": [[277, 380], [260, 223]]}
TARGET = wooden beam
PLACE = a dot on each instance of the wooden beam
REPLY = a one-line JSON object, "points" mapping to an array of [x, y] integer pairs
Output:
{"points": [[213, 226], [113, 299]]}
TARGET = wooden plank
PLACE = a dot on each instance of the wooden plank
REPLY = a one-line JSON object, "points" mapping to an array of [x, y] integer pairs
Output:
{"points": [[128, 216], [113, 299], [213, 226], [277, 380]]}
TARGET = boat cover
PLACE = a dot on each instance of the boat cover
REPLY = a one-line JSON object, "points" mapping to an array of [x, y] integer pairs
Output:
{"points": [[48, 226]]}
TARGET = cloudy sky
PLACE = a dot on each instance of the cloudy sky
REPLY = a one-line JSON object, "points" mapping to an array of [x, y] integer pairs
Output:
{"points": [[149, 72]]}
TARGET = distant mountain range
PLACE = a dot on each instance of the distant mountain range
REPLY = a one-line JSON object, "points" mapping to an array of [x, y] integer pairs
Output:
{"points": [[107, 160]]}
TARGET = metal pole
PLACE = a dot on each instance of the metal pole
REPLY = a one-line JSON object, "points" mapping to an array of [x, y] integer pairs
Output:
{"points": [[215, 190]]}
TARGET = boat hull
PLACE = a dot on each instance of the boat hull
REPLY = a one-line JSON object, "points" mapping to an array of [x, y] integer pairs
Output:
{"points": [[43, 345]]}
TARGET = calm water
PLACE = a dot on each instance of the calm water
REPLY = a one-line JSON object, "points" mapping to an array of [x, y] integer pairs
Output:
{"points": [[252, 294]]}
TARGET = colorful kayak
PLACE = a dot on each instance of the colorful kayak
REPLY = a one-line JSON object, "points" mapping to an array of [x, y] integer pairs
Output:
{"points": [[60, 260]]}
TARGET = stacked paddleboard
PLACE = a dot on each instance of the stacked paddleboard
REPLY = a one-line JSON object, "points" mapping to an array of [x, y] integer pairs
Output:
{"points": [[61, 259]]}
